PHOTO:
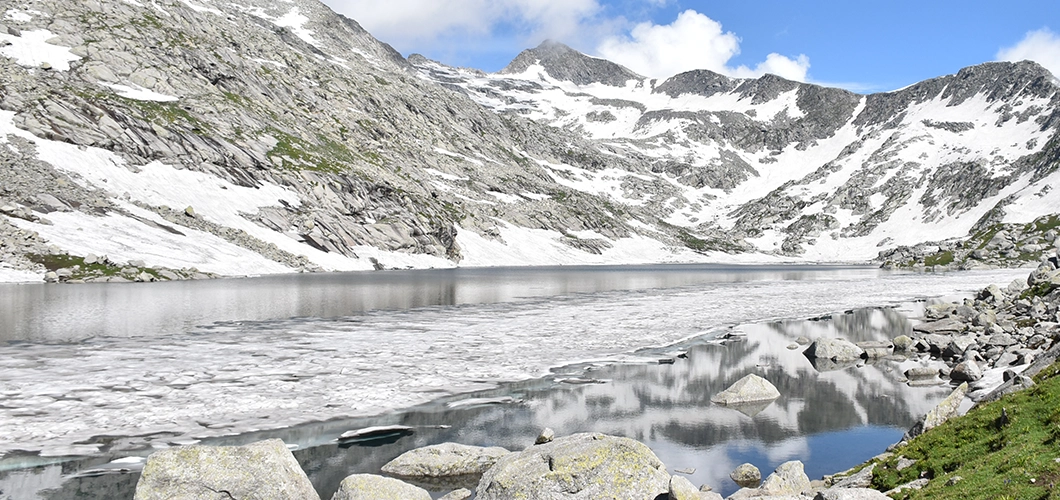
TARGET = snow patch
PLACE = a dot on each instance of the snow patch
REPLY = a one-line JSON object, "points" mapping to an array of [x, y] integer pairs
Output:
{"points": [[296, 23], [33, 50], [139, 93]]}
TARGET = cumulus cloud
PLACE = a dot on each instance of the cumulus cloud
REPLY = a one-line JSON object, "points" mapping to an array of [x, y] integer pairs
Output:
{"points": [[693, 41], [414, 22], [1041, 46]]}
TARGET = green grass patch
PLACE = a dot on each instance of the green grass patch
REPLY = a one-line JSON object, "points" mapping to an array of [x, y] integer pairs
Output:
{"points": [[995, 459], [939, 259], [55, 262]]}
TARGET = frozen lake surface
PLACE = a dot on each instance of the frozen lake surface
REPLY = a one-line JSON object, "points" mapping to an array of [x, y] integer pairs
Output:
{"points": [[112, 370]]}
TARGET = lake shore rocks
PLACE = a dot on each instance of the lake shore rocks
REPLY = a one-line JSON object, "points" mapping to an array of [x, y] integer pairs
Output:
{"points": [[445, 460]]}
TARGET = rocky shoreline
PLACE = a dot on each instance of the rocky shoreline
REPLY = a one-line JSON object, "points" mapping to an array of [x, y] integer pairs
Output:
{"points": [[989, 344]]}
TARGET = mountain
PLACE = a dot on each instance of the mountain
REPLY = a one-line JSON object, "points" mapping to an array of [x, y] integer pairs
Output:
{"points": [[187, 137]]}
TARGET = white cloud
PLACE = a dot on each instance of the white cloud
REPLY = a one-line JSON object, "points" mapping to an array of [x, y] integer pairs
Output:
{"points": [[1041, 46], [415, 22], [693, 41]]}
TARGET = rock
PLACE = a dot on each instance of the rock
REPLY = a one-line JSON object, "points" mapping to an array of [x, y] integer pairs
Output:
{"points": [[145, 277], [373, 487], [948, 325], [958, 345], [834, 349], [876, 349], [594, 465], [788, 479], [746, 476], [921, 372], [968, 371], [51, 277], [91, 259], [546, 436], [902, 343], [682, 489], [710, 495], [137, 263], [945, 410], [169, 275], [802, 341], [265, 470], [750, 389], [1000, 340], [444, 460], [904, 463], [190, 212], [461, 494], [850, 494], [912, 485], [860, 479]]}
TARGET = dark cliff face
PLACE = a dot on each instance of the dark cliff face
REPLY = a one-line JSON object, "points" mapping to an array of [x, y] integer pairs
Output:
{"points": [[566, 64]]}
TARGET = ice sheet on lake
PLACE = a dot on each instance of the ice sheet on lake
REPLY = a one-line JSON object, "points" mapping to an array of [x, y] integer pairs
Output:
{"points": [[237, 377]]}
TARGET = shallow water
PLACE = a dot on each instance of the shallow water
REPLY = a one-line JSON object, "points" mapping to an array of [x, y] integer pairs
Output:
{"points": [[155, 365]]}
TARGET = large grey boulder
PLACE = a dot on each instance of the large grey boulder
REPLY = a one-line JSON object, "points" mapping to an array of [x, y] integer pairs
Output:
{"points": [[948, 325], [373, 487], [444, 460], [967, 371], [581, 466], [750, 389], [834, 349], [945, 410], [263, 470]]}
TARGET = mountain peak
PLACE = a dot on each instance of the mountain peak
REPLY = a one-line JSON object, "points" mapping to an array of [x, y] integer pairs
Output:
{"points": [[564, 63]]}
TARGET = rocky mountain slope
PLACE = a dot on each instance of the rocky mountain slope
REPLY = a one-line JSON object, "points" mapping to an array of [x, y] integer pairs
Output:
{"points": [[197, 137]]}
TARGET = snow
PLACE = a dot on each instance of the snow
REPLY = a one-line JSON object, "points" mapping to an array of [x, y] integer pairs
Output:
{"points": [[9, 275], [139, 93], [32, 50], [201, 8], [296, 22], [21, 16], [451, 154], [443, 175]]}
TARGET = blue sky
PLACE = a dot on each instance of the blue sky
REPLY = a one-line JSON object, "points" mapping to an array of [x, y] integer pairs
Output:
{"points": [[865, 46]]}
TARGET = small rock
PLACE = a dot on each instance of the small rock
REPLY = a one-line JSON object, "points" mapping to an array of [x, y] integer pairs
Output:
{"points": [[954, 480], [190, 212], [445, 460], [51, 277], [850, 494], [904, 463], [746, 476], [137, 263], [912, 485], [682, 489], [921, 372], [461, 494], [546, 436], [802, 341], [792, 347], [860, 479], [91, 259], [876, 349], [902, 343]]}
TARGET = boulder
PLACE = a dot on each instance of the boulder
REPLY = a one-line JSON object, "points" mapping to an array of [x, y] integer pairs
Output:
{"points": [[902, 343], [860, 479], [373, 487], [682, 489], [788, 479], [945, 410], [850, 494], [264, 470], [921, 372], [445, 460], [958, 345], [948, 325], [967, 371], [834, 349], [587, 465], [876, 349], [746, 476], [546, 436], [750, 389]]}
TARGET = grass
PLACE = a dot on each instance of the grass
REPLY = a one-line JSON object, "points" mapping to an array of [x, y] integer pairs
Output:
{"points": [[939, 259], [994, 459]]}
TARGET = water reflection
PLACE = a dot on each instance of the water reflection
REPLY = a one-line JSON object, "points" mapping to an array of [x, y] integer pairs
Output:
{"points": [[48, 313], [829, 420]]}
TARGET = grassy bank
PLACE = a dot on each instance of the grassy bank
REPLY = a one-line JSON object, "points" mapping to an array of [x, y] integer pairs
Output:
{"points": [[1008, 449]]}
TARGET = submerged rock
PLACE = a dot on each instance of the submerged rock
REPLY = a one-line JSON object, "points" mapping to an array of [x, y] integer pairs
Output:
{"points": [[264, 470], [750, 389], [591, 465]]}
